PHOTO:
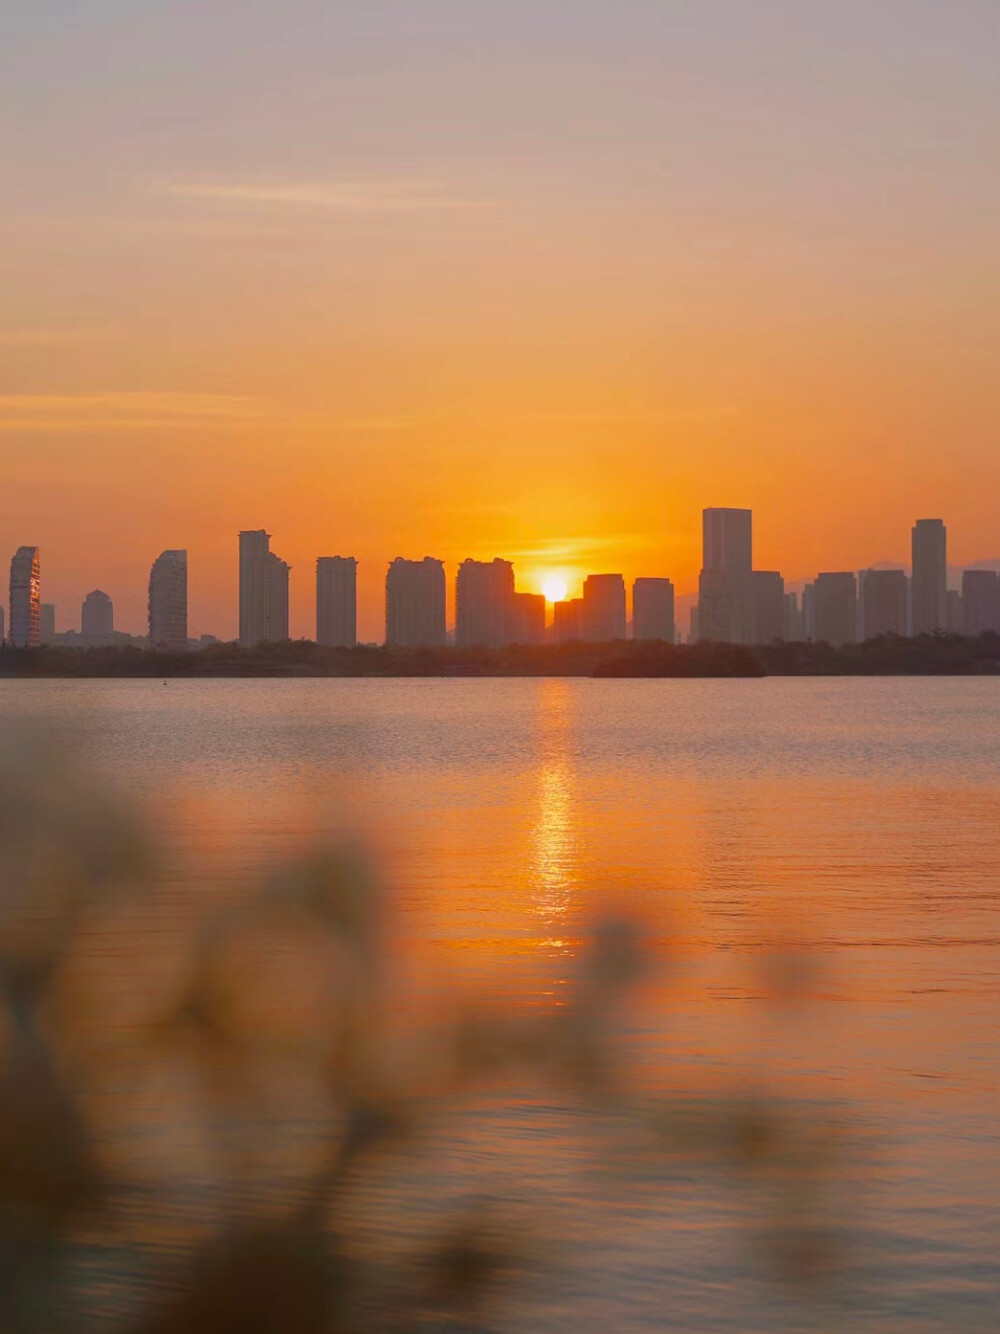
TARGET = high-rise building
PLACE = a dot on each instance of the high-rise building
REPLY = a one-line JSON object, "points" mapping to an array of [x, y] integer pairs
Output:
{"points": [[25, 598], [725, 602], [527, 624], [337, 601], [794, 629], [97, 617], [928, 591], [263, 591], [604, 614], [567, 620], [980, 601], [884, 596], [953, 611], [767, 606], [415, 603], [168, 602], [47, 622], [653, 609], [835, 608], [484, 603]]}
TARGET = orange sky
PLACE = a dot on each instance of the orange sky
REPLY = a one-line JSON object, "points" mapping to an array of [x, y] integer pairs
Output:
{"points": [[493, 285]]}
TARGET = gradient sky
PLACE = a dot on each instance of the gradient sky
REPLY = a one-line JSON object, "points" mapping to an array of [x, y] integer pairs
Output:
{"points": [[534, 280]]}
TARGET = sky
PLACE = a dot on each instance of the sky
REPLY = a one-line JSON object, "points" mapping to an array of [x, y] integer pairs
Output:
{"points": [[462, 279]]}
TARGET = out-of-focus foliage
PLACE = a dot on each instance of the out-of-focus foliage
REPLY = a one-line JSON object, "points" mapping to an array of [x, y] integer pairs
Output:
{"points": [[229, 1124]]}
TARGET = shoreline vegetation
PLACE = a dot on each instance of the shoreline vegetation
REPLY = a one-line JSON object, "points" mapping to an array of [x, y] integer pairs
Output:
{"points": [[927, 655]]}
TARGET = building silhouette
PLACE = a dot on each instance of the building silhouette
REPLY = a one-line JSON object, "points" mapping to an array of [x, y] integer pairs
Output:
{"points": [[834, 608], [337, 601], [567, 620], [794, 630], [953, 611], [3, 626], [725, 609], [47, 622], [527, 624], [167, 605], [884, 598], [25, 602], [415, 603], [97, 617], [980, 601], [929, 587], [484, 604], [767, 607], [653, 609], [263, 591], [604, 613]]}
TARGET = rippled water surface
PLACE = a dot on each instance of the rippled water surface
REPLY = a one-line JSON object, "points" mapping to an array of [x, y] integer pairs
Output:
{"points": [[856, 820]]}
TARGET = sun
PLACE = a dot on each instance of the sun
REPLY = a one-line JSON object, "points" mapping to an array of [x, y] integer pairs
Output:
{"points": [[554, 587]]}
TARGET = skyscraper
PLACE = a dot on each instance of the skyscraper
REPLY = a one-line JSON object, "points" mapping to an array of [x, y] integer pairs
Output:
{"points": [[168, 598], [980, 601], [415, 603], [337, 601], [835, 608], [930, 576], [794, 629], [97, 617], [884, 595], [653, 609], [25, 598], [767, 606], [527, 624], [725, 611], [263, 591], [567, 620], [47, 622], [604, 614], [484, 603]]}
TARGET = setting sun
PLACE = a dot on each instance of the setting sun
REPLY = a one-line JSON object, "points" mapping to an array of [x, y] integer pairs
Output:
{"points": [[554, 588]]}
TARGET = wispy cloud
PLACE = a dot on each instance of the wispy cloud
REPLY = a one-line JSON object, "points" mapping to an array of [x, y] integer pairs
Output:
{"points": [[399, 196], [122, 410], [135, 409], [68, 337]]}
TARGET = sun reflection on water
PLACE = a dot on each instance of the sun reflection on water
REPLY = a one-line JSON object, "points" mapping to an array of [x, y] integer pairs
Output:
{"points": [[553, 838]]}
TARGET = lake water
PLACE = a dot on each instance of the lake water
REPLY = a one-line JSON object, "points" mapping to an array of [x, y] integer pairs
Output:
{"points": [[844, 833]]}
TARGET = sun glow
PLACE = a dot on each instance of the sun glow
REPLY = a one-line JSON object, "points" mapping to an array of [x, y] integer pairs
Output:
{"points": [[554, 587]]}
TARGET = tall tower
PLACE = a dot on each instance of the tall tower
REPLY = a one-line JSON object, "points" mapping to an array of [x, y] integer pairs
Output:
{"points": [[883, 596], [168, 599], [337, 601], [980, 601], [725, 600], [604, 615], [653, 609], [835, 608], [415, 603], [97, 617], [25, 598], [929, 587], [263, 591], [484, 604]]}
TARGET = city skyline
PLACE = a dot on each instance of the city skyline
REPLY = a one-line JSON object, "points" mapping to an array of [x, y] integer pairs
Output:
{"points": [[736, 602], [214, 596]]}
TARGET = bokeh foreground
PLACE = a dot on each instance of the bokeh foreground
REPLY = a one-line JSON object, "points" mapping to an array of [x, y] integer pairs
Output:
{"points": [[254, 1126]]}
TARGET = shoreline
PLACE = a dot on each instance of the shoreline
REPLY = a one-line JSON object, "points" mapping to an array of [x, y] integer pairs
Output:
{"points": [[929, 655]]}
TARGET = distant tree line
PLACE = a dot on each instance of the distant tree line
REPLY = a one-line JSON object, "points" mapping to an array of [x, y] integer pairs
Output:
{"points": [[927, 655]]}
